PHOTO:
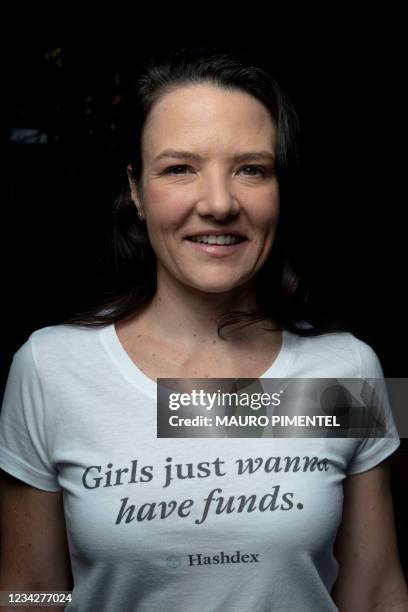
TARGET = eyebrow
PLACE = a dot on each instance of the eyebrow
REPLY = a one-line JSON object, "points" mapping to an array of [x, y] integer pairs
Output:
{"points": [[238, 157]]}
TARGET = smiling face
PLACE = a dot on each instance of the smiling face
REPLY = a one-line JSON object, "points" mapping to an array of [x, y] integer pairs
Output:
{"points": [[218, 188]]}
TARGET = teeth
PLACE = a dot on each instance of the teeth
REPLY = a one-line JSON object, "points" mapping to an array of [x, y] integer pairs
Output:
{"points": [[224, 239]]}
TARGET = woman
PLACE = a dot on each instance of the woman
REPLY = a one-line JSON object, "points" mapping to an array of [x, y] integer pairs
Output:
{"points": [[149, 522]]}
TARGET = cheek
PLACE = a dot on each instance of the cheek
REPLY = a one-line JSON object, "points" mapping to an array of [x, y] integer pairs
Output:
{"points": [[266, 213], [165, 206]]}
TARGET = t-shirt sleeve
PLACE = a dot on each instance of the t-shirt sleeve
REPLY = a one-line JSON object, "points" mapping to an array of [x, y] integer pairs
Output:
{"points": [[371, 451], [24, 450]]}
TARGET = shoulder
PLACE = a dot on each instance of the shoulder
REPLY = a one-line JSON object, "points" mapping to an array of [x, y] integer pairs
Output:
{"points": [[337, 351], [48, 346], [54, 336]]}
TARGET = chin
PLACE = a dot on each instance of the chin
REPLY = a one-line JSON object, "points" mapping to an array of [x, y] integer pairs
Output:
{"points": [[215, 287]]}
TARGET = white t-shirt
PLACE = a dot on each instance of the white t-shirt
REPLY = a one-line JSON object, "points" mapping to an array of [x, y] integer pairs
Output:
{"points": [[77, 410]]}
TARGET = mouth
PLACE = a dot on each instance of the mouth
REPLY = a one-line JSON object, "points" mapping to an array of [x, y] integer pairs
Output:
{"points": [[217, 245]]}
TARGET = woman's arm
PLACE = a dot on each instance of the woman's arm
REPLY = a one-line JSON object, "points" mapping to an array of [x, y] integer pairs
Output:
{"points": [[370, 575], [34, 552]]}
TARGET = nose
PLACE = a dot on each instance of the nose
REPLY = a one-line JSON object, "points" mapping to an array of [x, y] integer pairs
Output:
{"points": [[217, 198]]}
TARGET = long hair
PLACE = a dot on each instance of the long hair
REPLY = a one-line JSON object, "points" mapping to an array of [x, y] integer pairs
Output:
{"points": [[281, 294]]}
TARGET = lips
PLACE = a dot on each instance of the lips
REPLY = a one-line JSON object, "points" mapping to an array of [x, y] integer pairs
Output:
{"points": [[238, 236], [235, 233], [217, 250], [217, 241]]}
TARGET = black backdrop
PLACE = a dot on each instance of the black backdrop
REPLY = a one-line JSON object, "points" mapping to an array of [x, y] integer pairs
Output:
{"points": [[344, 77]]}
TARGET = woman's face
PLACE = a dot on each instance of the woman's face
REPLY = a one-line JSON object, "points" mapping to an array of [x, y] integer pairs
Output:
{"points": [[214, 191]]}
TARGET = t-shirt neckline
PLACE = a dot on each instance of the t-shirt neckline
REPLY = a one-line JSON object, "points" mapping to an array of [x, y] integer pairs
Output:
{"points": [[125, 364]]}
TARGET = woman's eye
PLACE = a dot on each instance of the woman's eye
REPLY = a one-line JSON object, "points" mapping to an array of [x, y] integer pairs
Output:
{"points": [[258, 168], [172, 168]]}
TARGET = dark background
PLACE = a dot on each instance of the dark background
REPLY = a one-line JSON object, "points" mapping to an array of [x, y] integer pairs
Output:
{"points": [[61, 168]]}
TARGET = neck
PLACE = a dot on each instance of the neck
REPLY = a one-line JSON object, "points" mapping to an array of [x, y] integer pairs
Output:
{"points": [[187, 316]]}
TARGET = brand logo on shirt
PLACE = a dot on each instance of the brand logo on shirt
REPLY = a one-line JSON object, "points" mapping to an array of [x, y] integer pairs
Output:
{"points": [[173, 561], [222, 557]]}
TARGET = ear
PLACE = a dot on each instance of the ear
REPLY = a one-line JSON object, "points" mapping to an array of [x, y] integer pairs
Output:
{"points": [[134, 192]]}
